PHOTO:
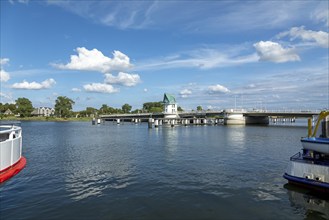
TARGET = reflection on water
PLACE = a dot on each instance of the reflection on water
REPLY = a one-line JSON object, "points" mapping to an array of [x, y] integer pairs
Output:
{"points": [[88, 169], [235, 135], [170, 138], [265, 196], [314, 207]]}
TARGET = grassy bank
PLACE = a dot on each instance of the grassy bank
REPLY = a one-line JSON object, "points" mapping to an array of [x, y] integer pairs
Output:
{"points": [[13, 118]]}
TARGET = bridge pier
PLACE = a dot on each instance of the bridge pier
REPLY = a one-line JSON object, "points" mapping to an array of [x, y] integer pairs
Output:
{"points": [[234, 118], [150, 122], [238, 118], [259, 120], [173, 122]]}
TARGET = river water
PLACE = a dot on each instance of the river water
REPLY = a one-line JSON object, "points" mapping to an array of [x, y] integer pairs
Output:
{"points": [[76, 170]]}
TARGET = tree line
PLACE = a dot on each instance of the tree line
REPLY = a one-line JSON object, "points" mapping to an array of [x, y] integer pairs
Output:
{"points": [[64, 105]]}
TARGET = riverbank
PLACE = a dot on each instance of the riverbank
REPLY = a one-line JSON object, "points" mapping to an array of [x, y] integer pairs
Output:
{"points": [[13, 118]]}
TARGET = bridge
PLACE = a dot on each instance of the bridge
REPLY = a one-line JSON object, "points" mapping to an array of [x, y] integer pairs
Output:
{"points": [[230, 116], [146, 116], [283, 114]]}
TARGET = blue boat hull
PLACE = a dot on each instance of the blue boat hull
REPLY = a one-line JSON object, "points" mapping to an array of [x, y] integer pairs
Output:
{"points": [[308, 183]]}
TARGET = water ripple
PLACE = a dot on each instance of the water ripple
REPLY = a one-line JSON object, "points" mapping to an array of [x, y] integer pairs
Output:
{"points": [[80, 171]]}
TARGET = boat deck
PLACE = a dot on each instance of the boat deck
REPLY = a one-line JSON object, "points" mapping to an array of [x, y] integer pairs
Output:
{"points": [[316, 158]]}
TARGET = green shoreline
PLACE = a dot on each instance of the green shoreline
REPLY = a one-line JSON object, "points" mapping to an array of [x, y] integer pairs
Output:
{"points": [[54, 119]]}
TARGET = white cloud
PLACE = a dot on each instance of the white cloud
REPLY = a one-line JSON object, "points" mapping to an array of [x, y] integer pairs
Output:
{"points": [[76, 90], [201, 58], [320, 38], [120, 14], [4, 76], [6, 96], [19, 1], [185, 93], [145, 90], [100, 88], [321, 15], [221, 15], [48, 83], [274, 52], [94, 60], [218, 89], [292, 86], [3, 61], [23, 1], [124, 79]]}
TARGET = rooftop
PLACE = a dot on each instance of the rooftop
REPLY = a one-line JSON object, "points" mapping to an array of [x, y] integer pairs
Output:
{"points": [[169, 99]]}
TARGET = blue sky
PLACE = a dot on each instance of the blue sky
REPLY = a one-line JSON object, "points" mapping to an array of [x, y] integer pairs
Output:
{"points": [[217, 54]]}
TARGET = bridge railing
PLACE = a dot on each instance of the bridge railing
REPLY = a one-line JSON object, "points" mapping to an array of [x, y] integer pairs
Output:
{"points": [[123, 115], [204, 112], [286, 111]]}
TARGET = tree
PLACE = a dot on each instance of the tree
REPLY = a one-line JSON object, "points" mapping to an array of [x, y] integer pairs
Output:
{"points": [[2, 108], [126, 108], [24, 107], [199, 108], [104, 109], [110, 110], [136, 111], [91, 111], [153, 106], [5, 107], [12, 107], [155, 109], [180, 109], [83, 113], [63, 106]]}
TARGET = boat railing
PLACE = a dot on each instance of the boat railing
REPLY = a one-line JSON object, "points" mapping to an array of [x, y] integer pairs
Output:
{"points": [[296, 156], [10, 145], [311, 157]]}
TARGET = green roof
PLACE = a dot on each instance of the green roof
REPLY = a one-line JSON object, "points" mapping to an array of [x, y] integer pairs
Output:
{"points": [[169, 99]]}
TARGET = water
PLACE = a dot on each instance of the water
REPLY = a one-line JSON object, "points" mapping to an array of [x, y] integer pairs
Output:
{"points": [[76, 170]]}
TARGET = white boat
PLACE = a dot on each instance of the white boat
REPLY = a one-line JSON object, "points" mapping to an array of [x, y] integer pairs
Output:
{"points": [[310, 168], [11, 159], [320, 145]]}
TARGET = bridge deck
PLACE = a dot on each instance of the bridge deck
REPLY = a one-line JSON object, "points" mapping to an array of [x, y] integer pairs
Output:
{"points": [[203, 114], [281, 114]]}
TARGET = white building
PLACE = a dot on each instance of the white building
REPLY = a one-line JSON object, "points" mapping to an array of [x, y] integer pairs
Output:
{"points": [[43, 111], [170, 106], [8, 112]]}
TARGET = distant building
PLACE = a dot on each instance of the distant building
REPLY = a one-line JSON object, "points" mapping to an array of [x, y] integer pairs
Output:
{"points": [[170, 106], [8, 112], [43, 111]]}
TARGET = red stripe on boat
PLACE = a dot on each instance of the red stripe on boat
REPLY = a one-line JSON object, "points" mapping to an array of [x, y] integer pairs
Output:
{"points": [[13, 170]]}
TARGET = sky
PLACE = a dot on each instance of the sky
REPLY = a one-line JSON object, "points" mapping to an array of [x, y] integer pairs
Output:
{"points": [[216, 54]]}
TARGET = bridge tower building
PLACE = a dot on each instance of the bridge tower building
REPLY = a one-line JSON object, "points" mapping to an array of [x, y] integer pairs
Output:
{"points": [[170, 106]]}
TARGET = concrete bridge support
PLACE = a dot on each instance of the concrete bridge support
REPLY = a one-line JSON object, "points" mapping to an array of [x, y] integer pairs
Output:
{"points": [[241, 119], [260, 120], [234, 119]]}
